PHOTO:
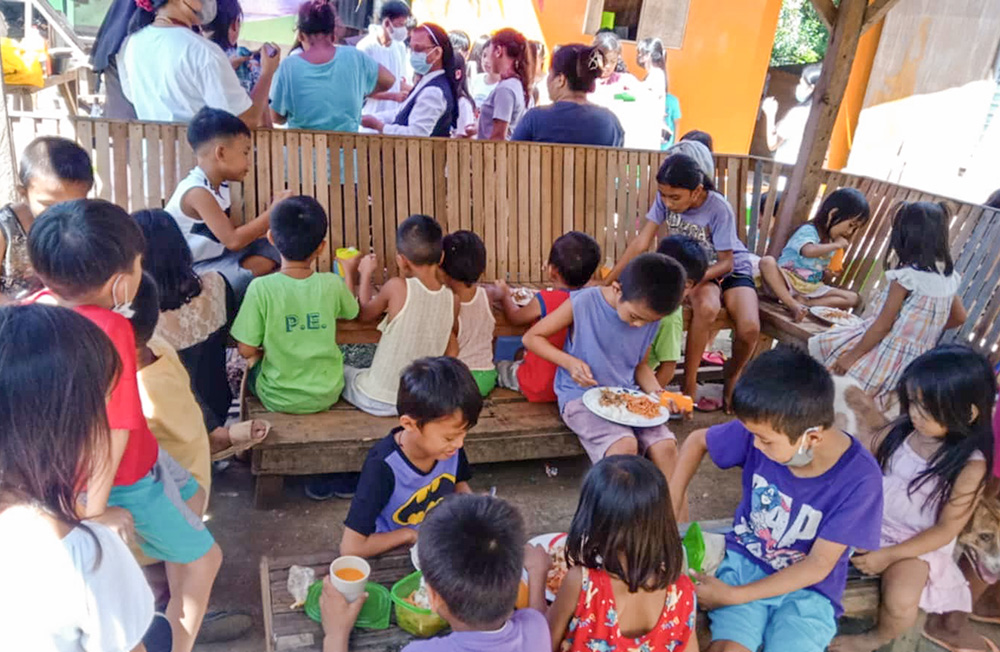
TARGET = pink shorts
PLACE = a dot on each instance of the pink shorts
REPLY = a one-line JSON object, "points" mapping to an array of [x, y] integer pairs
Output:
{"points": [[597, 434]]}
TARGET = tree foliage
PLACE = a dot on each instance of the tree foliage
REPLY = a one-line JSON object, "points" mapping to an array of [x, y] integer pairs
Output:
{"points": [[801, 36]]}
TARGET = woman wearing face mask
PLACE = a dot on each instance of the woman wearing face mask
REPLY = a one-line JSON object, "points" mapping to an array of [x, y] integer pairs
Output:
{"points": [[169, 72], [785, 138], [386, 43], [431, 109], [571, 118]]}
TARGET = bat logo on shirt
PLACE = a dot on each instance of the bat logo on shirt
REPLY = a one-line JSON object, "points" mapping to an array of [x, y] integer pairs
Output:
{"points": [[423, 500]]}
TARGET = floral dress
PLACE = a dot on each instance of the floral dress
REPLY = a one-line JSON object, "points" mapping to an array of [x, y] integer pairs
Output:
{"points": [[594, 626]]}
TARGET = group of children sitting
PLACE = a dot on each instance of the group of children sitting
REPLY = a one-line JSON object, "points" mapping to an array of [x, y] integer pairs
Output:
{"points": [[812, 494]]}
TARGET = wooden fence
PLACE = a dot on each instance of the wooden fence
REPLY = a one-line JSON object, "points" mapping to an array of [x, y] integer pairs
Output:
{"points": [[518, 197]]}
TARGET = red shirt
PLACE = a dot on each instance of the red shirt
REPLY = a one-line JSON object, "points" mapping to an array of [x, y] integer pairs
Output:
{"points": [[536, 375]]}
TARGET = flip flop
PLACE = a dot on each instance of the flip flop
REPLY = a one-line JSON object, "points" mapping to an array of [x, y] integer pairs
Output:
{"points": [[992, 620], [241, 439], [991, 647], [706, 404], [713, 358]]}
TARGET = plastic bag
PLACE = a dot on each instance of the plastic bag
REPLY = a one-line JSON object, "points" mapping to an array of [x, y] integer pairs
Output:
{"points": [[300, 579], [694, 546]]}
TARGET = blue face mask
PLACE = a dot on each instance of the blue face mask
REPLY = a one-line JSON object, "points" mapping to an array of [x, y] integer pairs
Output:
{"points": [[419, 63]]}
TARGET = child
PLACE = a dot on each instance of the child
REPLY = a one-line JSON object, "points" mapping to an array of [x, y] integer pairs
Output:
{"points": [[935, 459], [52, 170], [573, 259], [200, 203], [918, 303], [291, 317], [810, 492], [796, 278], [87, 253], [687, 201], [612, 330], [626, 588], [464, 262], [666, 350], [56, 369], [472, 555], [420, 462], [421, 316]]}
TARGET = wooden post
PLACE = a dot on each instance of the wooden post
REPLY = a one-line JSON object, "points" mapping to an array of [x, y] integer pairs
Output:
{"points": [[8, 159], [802, 187]]}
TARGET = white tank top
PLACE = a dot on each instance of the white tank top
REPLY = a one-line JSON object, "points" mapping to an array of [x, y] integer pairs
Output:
{"points": [[200, 239], [475, 332], [419, 330]]}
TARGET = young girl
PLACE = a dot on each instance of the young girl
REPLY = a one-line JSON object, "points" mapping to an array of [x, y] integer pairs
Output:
{"points": [[465, 126], [483, 78], [626, 589], [509, 58], [55, 369], [934, 461], [224, 31], [796, 278], [52, 170], [918, 303]]}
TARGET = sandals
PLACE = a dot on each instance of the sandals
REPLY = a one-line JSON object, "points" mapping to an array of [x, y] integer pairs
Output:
{"points": [[990, 645], [706, 404], [713, 358], [241, 438]]}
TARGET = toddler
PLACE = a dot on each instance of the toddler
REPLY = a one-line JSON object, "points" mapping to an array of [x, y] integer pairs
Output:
{"points": [[464, 262], [810, 494], [796, 278], [666, 349], [290, 318], [612, 330], [419, 462], [52, 170], [919, 302]]}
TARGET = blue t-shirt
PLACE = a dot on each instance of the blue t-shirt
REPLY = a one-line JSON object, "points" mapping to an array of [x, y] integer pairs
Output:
{"points": [[808, 269], [713, 224], [671, 116], [392, 493], [599, 337], [326, 96], [526, 631], [571, 123], [781, 515]]}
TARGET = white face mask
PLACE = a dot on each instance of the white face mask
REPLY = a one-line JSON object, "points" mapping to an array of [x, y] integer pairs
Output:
{"points": [[123, 308], [803, 456], [803, 92], [397, 34]]}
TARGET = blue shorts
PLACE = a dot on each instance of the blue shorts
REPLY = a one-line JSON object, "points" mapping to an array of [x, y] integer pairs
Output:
{"points": [[802, 621], [167, 528]]}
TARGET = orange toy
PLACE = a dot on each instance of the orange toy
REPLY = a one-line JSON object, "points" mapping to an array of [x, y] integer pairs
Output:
{"points": [[683, 403]]}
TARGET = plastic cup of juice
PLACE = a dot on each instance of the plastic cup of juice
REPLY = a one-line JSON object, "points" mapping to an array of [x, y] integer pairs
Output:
{"points": [[349, 574], [837, 262]]}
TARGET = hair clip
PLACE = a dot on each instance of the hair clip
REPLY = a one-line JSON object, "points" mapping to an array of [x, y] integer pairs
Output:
{"points": [[145, 5], [596, 61]]}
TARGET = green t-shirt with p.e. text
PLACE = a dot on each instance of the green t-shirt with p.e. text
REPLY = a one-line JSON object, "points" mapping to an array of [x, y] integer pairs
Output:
{"points": [[295, 322]]}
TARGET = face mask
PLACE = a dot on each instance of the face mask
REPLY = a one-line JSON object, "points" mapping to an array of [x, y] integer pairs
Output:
{"points": [[803, 456], [803, 93], [125, 307], [209, 8], [419, 63], [397, 33]]}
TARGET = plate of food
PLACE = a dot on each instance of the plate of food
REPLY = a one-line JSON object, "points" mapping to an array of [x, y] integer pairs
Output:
{"points": [[522, 296], [627, 407], [834, 316], [555, 543]]}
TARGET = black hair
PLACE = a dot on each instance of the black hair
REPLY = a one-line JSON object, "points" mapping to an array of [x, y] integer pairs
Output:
{"points": [[688, 252], [919, 237], [146, 307], [462, 83], [460, 42], [994, 200], [624, 524], [516, 47], [810, 74], [850, 204], [655, 280], [472, 554], [210, 124], [653, 48], [55, 157], [607, 41], [317, 17], [575, 255], [227, 13], [168, 259], [56, 369], [786, 389], [464, 256], [393, 9], [682, 171], [298, 226], [434, 388], [946, 384], [76, 246], [419, 240], [478, 48], [702, 137], [439, 37], [580, 64], [141, 18]]}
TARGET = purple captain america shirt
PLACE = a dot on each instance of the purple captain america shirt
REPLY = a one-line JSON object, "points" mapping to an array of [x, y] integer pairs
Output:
{"points": [[526, 631], [780, 515]]}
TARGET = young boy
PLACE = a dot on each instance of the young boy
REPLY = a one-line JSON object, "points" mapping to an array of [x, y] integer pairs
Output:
{"points": [[666, 350], [200, 203], [573, 259], [291, 317], [464, 262], [87, 252], [810, 493], [613, 328], [420, 462]]}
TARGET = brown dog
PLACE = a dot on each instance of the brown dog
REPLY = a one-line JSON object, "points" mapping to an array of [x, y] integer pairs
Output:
{"points": [[981, 538], [855, 412]]}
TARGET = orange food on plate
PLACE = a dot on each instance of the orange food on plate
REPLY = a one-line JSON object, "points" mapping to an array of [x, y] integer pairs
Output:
{"points": [[557, 573], [636, 404]]}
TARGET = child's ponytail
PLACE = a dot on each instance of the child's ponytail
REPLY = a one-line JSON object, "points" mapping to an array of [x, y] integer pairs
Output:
{"points": [[516, 47]]}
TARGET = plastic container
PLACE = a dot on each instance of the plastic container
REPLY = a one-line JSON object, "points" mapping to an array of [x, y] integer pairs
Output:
{"points": [[343, 253], [422, 623], [374, 615]]}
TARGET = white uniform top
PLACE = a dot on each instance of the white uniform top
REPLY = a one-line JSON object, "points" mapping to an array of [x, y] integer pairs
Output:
{"points": [[200, 239], [396, 60]]}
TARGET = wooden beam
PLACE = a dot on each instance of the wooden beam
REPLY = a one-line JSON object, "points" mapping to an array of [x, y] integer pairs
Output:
{"points": [[802, 187], [875, 12], [8, 159], [827, 12]]}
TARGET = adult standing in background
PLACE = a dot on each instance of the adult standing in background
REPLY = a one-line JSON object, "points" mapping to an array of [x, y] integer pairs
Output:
{"points": [[652, 57], [784, 138], [104, 58], [386, 44], [508, 56]]}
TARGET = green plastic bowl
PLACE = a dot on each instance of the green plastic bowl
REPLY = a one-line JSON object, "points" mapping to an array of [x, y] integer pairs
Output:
{"points": [[422, 623], [374, 614]]}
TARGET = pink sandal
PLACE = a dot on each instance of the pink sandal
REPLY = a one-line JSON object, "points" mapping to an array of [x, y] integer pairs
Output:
{"points": [[706, 404]]}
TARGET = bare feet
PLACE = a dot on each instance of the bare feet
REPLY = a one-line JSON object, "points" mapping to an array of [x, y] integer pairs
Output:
{"points": [[867, 642], [797, 310]]}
